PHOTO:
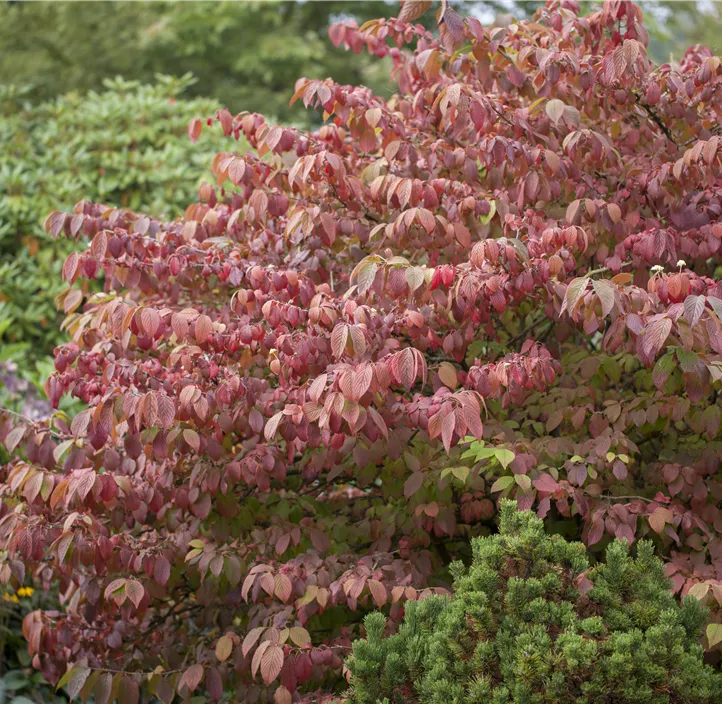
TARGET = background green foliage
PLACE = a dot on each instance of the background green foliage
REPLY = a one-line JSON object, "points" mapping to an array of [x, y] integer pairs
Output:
{"points": [[20, 682], [124, 145], [246, 54]]}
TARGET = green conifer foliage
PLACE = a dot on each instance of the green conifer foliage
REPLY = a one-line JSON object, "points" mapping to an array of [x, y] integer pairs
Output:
{"points": [[520, 629]]}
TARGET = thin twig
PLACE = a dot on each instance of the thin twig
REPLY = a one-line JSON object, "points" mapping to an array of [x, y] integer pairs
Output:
{"points": [[526, 330], [604, 269], [27, 420], [656, 119], [609, 497], [503, 117]]}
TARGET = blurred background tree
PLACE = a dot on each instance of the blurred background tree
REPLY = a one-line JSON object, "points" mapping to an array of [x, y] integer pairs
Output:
{"points": [[246, 55]]}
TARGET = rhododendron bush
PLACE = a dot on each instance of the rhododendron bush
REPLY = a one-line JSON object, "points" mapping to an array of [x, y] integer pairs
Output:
{"points": [[307, 395]]}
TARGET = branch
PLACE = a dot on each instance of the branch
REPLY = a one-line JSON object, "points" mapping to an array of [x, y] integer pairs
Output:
{"points": [[519, 336], [656, 119], [28, 421], [604, 269]]}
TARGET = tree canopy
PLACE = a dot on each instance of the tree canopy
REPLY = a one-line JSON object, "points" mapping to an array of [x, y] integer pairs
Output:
{"points": [[303, 398]]}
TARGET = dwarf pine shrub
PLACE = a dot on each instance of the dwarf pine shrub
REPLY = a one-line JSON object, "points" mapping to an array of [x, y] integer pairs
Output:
{"points": [[519, 629]]}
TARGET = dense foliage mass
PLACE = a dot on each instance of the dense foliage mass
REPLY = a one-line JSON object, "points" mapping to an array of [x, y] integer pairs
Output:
{"points": [[122, 146], [305, 396], [520, 629]]}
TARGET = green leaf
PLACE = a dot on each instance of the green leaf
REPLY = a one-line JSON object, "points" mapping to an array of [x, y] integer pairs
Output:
{"points": [[461, 473], [76, 680], [523, 481], [501, 484], [15, 679], [505, 457], [714, 634]]}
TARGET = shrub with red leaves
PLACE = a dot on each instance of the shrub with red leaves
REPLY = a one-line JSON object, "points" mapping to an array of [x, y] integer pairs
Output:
{"points": [[305, 397]]}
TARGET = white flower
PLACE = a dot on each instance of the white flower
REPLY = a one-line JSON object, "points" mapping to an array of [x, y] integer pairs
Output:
{"points": [[681, 263], [657, 268]]}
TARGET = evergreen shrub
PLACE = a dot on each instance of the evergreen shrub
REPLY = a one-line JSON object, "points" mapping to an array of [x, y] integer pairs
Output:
{"points": [[531, 623]]}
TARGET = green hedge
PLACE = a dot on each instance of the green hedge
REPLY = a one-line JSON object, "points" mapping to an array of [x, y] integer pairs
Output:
{"points": [[123, 146]]}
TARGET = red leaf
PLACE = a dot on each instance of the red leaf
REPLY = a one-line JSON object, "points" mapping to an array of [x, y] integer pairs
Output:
{"points": [[166, 411], [652, 339], [128, 691], [413, 9], [161, 570], [575, 289], [339, 336], [447, 430], [606, 293], [304, 668], [13, 438], [405, 368], [693, 309], [194, 129], [54, 224], [320, 540], [192, 677], [70, 267], [595, 532], [378, 592], [545, 482], [282, 587], [250, 640], [76, 681], [214, 684], [271, 663], [103, 687], [269, 431], [203, 329], [135, 591], [413, 484], [282, 696], [451, 30]]}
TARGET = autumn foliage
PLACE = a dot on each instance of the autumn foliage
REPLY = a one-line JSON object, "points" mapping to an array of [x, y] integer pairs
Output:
{"points": [[305, 397]]}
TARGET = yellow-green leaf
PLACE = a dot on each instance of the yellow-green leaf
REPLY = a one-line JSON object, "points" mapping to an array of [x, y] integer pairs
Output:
{"points": [[502, 483], [714, 634], [505, 457]]}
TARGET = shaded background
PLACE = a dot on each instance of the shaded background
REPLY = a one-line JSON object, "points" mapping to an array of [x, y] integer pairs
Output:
{"points": [[95, 99]]}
